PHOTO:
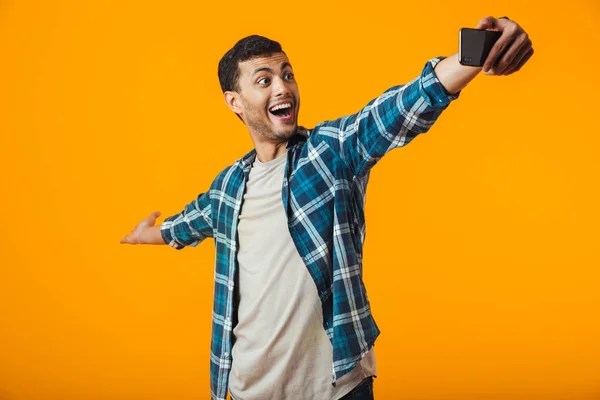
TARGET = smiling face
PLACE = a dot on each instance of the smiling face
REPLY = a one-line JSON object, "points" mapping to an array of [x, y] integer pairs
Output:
{"points": [[267, 97]]}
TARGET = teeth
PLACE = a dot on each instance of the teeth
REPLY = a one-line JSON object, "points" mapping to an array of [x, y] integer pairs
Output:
{"points": [[280, 106]]}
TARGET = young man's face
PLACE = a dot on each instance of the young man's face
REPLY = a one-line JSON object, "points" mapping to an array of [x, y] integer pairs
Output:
{"points": [[269, 100]]}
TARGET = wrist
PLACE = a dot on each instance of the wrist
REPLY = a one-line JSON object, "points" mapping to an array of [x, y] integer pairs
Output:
{"points": [[151, 235], [453, 75]]}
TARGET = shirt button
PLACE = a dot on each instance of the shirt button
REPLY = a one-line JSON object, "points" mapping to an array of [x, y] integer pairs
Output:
{"points": [[226, 354]]}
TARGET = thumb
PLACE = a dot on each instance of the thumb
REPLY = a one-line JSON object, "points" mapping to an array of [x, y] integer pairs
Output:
{"points": [[151, 220], [485, 23]]}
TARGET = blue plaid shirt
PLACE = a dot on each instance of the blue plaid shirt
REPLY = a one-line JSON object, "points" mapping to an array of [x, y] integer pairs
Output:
{"points": [[323, 193]]}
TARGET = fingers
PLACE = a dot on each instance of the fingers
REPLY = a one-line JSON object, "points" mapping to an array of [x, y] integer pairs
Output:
{"points": [[496, 51], [510, 31], [148, 221], [130, 239], [511, 68], [520, 63], [518, 48]]}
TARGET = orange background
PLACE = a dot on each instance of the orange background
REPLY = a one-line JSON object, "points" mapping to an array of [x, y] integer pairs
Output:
{"points": [[481, 258]]}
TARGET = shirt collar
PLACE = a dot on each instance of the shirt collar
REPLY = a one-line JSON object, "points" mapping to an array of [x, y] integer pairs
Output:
{"points": [[301, 136]]}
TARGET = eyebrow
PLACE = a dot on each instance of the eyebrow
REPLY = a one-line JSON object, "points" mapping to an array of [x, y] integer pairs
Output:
{"points": [[269, 70]]}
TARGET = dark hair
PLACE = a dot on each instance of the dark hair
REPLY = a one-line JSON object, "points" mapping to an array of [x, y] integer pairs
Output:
{"points": [[245, 49]]}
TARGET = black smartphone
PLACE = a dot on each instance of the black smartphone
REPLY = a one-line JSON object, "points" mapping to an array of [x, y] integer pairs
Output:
{"points": [[474, 45]]}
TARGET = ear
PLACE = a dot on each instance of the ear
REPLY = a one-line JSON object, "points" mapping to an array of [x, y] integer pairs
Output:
{"points": [[232, 99]]}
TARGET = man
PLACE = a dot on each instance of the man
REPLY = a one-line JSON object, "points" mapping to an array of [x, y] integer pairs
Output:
{"points": [[291, 315]]}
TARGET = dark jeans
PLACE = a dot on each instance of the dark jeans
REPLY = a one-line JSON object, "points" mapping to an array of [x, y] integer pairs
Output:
{"points": [[364, 391]]}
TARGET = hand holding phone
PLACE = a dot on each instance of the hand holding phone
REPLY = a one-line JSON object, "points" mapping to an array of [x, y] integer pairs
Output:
{"points": [[474, 45]]}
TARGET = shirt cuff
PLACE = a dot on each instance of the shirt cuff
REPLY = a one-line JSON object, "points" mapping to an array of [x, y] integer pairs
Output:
{"points": [[165, 232], [435, 93]]}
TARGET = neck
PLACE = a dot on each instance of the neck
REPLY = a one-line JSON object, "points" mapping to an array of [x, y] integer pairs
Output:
{"points": [[267, 151]]}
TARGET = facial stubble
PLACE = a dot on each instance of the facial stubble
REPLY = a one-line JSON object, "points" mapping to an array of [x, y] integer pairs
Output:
{"points": [[255, 122]]}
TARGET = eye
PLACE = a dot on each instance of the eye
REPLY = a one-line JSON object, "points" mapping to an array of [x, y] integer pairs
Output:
{"points": [[289, 76], [264, 81]]}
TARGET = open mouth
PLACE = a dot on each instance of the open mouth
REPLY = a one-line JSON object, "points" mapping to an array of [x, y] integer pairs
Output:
{"points": [[282, 111]]}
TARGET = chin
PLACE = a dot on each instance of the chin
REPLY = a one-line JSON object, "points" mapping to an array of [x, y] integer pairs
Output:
{"points": [[288, 132]]}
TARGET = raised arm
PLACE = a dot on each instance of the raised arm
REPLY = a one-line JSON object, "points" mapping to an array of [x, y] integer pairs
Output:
{"points": [[389, 121], [403, 112]]}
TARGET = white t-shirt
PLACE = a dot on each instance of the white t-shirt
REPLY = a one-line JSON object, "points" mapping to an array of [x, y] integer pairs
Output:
{"points": [[281, 350]]}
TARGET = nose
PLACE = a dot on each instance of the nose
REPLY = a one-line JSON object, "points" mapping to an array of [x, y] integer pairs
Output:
{"points": [[280, 87]]}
